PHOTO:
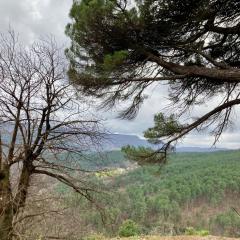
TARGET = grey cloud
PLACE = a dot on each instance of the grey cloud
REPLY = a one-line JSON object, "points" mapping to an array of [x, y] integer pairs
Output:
{"points": [[35, 18]]}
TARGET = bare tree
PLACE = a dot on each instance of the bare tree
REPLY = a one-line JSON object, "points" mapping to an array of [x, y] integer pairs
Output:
{"points": [[40, 120]]}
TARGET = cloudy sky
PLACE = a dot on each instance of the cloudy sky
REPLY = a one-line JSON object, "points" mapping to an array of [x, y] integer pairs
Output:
{"points": [[33, 19]]}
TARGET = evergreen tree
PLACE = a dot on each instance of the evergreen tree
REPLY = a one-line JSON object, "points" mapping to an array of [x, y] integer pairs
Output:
{"points": [[119, 49]]}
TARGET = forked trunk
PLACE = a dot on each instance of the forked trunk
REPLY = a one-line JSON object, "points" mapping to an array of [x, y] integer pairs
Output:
{"points": [[6, 206]]}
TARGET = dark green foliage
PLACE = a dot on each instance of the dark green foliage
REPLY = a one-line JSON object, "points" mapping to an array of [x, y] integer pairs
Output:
{"points": [[113, 61], [128, 228], [105, 27], [142, 155], [163, 127]]}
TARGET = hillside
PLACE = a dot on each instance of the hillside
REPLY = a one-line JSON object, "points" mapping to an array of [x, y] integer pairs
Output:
{"points": [[196, 190]]}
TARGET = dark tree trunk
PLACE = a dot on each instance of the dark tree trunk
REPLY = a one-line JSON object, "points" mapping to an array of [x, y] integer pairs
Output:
{"points": [[23, 186], [6, 206], [9, 206]]}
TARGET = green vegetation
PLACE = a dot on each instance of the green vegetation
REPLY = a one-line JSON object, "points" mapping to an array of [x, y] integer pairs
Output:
{"points": [[112, 61], [171, 199], [192, 231], [95, 161], [142, 155], [228, 223], [128, 229]]}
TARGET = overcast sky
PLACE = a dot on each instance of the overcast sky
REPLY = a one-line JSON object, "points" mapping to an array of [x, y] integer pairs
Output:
{"points": [[33, 19]]}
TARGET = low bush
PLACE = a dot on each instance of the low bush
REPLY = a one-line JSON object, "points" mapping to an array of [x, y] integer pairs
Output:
{"points": [[192, 231], [128, 228]]}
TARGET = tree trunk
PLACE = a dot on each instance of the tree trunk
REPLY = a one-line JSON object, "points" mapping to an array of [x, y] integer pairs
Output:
{"points": [[9, 206], [6, 206], [23, 186]]}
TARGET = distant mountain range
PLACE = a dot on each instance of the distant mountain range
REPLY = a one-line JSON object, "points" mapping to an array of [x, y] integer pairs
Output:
{"points": [[117, 141], [200, 149]]}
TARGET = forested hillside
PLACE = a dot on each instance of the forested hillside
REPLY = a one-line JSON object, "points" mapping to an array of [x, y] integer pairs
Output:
{"points": [[193, 192]]}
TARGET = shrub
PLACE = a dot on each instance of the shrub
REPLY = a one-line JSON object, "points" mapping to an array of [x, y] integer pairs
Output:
{"points": [[203, 233], [128, 228], [192, 231]]}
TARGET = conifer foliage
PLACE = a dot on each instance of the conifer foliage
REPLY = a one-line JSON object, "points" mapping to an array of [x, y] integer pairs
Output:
{"points": [[119, 49]]}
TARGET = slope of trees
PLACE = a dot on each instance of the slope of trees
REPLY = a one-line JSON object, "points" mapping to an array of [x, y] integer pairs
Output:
{"points": [[40, 119], [199, 190], [119, 49]]}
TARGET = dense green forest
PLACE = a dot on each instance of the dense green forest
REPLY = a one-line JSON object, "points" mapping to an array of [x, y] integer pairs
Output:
{"points": [[197, 191]]}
